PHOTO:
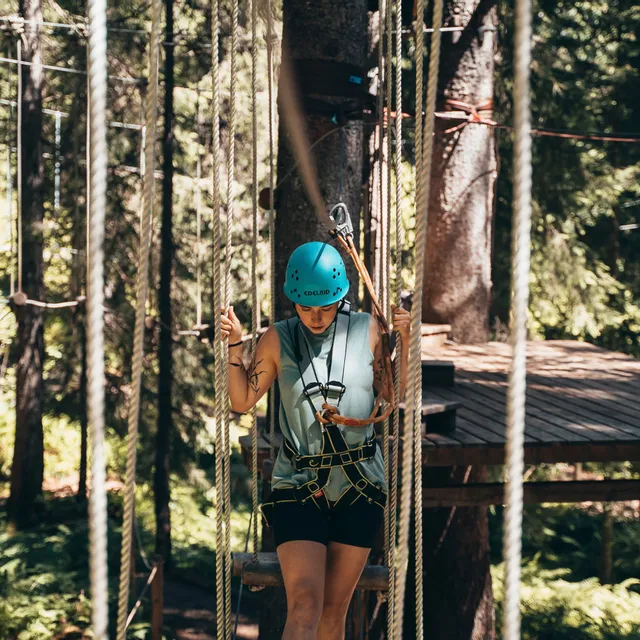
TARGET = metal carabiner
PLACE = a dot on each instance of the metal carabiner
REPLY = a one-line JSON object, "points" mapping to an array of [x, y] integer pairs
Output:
{"points": [[340, 215]]}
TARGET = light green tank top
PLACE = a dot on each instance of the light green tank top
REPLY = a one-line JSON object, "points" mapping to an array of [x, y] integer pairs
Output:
{"points": [[297, 420]]}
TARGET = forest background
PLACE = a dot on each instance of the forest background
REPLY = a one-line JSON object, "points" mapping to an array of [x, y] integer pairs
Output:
{"points": [[585, 284]]}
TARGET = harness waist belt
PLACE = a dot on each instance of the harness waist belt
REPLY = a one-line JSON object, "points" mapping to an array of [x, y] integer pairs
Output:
{"points": [[327, 460]]}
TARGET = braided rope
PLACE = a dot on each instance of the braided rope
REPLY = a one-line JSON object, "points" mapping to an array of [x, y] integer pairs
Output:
{"points": [[231, 161], [19, 160], [520, 264], [198, 217], [219, 355], [9, 196], [95, 317], [417, 391], [386, 220], [393, 484], [379, 210], [380, 104], [254, 256], [414, 383], [272, 222], [138, 336]]}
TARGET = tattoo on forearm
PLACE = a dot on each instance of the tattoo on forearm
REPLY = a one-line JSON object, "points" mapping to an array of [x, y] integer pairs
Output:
{"points": [[253, 376], [378, 371]]}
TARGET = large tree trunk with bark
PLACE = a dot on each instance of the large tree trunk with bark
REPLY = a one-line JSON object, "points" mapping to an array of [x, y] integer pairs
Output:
{"points": [[313, 33], [331, 38], [165, 377], [458, 598], [28, 456], [457, 274], [457, 592]]}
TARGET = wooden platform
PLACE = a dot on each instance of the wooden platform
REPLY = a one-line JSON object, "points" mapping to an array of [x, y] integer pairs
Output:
{"points": [[583, 404]]}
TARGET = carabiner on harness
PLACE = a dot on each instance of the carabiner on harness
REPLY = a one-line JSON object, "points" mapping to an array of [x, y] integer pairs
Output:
{"points": [[323, 396], [340, 215]]}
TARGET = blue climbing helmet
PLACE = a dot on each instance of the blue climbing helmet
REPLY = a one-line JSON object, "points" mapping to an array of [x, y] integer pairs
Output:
{"points": [[316, 275]]}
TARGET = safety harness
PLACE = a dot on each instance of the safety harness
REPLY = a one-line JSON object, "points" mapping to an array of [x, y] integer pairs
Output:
{"points": [[335, 450]]}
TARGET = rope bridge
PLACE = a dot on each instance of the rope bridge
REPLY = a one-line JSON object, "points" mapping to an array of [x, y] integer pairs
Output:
{"points": [[257, 569]]}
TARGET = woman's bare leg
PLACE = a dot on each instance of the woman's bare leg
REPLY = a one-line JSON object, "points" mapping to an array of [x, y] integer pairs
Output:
{"points": [[344, 566], [303, 565]]}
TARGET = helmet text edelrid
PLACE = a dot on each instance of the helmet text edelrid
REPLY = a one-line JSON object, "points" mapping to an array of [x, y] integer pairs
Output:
{"points": [[322, 292]]}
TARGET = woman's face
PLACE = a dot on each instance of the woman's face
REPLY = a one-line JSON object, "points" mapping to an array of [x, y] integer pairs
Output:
{"points": [[317, 319]]}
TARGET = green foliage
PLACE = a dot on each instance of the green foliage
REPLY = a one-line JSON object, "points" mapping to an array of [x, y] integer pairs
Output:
{"points": [[568, 537], [585, 277], [556, 609]]}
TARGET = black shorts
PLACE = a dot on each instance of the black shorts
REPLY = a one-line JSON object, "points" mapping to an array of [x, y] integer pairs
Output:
{"points": [[355, 524]]}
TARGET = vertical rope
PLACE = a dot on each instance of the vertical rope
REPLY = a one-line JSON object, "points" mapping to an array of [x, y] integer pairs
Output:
{"points": [[151, 118], [198, 216], [56, 179], [231, 164], [19, 136], [385, 222], [9, 193], [254, 253], [379, 209], [88, 172], [219, 355], [398, 247], [95, 318], [272, 222], [417, 431], [520, 263], [414, 383], [395, 445]]}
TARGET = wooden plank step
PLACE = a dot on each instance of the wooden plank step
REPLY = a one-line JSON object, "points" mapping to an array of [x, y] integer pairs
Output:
{"points": [[437, 373], [438, 414], [434, 329], [433, 404], [433, 336], [266, 572]]}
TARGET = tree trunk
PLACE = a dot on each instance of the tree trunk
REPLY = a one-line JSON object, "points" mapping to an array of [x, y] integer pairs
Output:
{"points": [[28, 456], [458, 594], [457, 287], [322, 31], [74, 182], [165, 377], [335, 33], [458, 598]]}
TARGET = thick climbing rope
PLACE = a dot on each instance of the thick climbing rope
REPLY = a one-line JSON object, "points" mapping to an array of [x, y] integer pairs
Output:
{"points": [[520, 264], [138, 336], [380, 208], [254, 261], [297, 138], [385, 229], [198, 194], [218, 346], [19, 142], [9, 198], [271, 36], [394, 449], [398, 247], [414, 382], [417, 431], [378, 195], [228, 239], [95, 318]]}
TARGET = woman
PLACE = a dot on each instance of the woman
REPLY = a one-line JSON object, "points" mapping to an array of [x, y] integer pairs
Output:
{"points": [[328, 487]]}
